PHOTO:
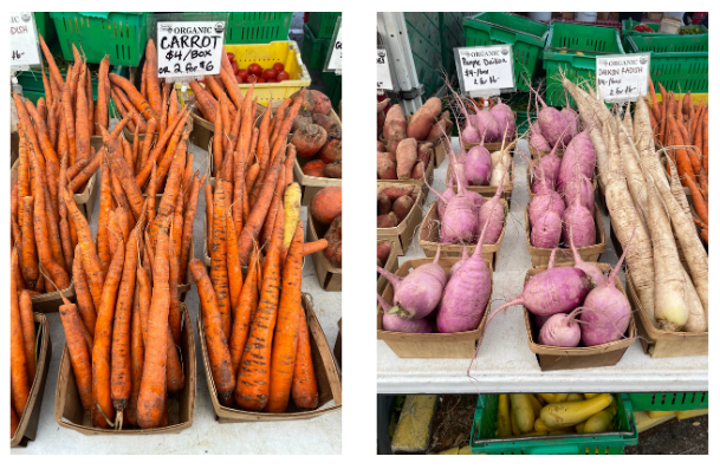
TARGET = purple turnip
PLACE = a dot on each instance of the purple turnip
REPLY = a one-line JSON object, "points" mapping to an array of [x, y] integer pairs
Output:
{"points": [[580, 221], [394, 323], [560, 330], [506, 119], [552, 124]]}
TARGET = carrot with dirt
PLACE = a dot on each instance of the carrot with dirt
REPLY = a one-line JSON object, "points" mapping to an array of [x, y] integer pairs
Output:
{"points": [[82, 130], [121, 169], [153, 388], [54, 70], [218, 255], [175, 315], [217, 146], [315, 246], [304, 383], [243, 314], [188, 225], [28, 332], [79, 353], [137, 352], [53, 227], [89, 256], [147, 143], [65, 237], [234, 268], [20, 385], [134, 95], [106, 200], [218, 353], [209, 210], [152, 80], [124, 106], [28, 251], [166, 208], [144, 289], [121, 368], [204, 101], [285, 340], [231, 86], [252, 389], [86, 307], [174, 372]]}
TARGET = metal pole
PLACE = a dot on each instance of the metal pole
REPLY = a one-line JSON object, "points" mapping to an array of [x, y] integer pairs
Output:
{"points": [[393, 32]]}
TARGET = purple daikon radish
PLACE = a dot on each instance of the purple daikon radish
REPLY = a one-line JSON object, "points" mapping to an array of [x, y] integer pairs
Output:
{"points": [[486, 123], [478, 166], [580, 188], [537, 141], [393, 323], [492, 213], [546, 230], [560, 330], [589, 268], [545, 199], [459, 220], [457, 265], [580, 221], [606, 311], [417, 294], [550, 166], [552, 125], [506, 119], [570, 117], [466, 294], [446, 195], [579, 158]]}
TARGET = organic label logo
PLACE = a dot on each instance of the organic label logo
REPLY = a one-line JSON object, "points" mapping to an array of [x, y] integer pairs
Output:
{"points": [[219, 27], [166, 28], [25, 16], [505, 50], [643, 60]]}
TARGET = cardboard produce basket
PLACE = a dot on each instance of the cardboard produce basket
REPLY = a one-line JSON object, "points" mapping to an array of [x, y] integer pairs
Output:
{"points": [[659, 343], [489, 191], [404, 233], [28, 421], [541, 256], [435, 344], [496, 146], [430, 236], [69, 412], [571, 358], [329, 276], [338, 344], [51, 302], [311, 185], [391, 265], [529, 179], [429, 175], [540, 153], [326, 374]]}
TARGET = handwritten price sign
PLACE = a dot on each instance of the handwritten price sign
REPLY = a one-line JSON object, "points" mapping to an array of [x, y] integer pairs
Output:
{"points": [[23, 40], [189, 48], [334, 59], [485, 71], [623, 77]]}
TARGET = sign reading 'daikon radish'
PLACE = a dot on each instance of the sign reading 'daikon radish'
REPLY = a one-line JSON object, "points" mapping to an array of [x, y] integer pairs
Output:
{"points": [[485, 70], [23, 40], [189, 48], [622, 77]]}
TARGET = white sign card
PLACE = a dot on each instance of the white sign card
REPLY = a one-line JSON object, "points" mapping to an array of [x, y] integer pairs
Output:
{"points": [[384, 77], [622, 77], [23, 40], [485, 71], [334, 60], [189, 48]]}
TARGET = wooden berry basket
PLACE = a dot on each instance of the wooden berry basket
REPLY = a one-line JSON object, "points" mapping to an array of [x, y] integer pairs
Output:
{"points": [[404, 232]]}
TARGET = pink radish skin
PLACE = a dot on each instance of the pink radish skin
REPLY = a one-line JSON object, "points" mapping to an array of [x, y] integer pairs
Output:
{"points": [[444, 198], [589, 268], [492, 213], [459, 221], [478, 166], [545, 199], [466, 294], [486, 123], [459, 263], [581, 188], [569, 116], [545, 233], [579, 158], [560, 330], [552, 291], [506, 119], [394, 323], [606, 311], [537, 141], [420, 291], [551, 122], [580, 221], [550, 167]]}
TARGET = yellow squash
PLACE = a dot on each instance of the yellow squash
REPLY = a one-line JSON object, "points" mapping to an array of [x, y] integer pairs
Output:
{"points": [[522, 412], [566, 414], [599, 422], [503, 423]]}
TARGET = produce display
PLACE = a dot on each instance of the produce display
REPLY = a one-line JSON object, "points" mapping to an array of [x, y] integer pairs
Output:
{"points": [[486, 122], [326, 209], [318, 137], [406, 148]]}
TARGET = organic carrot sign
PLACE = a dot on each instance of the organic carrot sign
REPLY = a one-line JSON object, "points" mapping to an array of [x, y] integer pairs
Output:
{"points": [[622, 77], [189, 48], [485, 70], [23, 40]]}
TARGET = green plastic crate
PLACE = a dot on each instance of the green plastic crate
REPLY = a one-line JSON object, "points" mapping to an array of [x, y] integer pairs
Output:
{"points": [[628, 30], [45, 26], [483, 436], [680, 63], [314, 50], [257, 27], [31, 80], [121, 35], [323, 24], [675, 401], [526, 36], [590, 41], [33, 95], [333, 86]]}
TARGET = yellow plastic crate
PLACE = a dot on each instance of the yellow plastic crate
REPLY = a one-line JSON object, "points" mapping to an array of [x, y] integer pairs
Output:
{"points": [[697, 98], [265, 55]]}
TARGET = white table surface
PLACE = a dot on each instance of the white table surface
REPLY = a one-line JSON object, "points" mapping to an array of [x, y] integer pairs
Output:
{"points": [[321, 435], [504, 362]]}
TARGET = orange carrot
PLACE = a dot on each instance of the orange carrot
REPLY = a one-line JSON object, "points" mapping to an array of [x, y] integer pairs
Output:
{"points": [[121, 169], [153, 388], [188, 225], [67, 247], [217, 148], [175, 315], [79, 353], [153, 82], [82, 131], [103, 241], [233, 90], [137, 353], [54, 70], [147, 143], [103, 100], [134, 95], [20, 387], [234, 268], [14, 421], [245, 306], [204, 101], [315, 246], [85, 303], [28, 251], [174, 373], [304, 385], [218, 255], [285, 340], [144, 289], [218, 353], [28, 331], [209, 209]]}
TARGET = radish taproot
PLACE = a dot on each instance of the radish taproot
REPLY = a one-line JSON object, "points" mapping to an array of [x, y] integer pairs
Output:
{"points": [[492, 214]]}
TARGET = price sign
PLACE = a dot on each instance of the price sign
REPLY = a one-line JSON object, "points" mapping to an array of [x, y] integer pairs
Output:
{"points": [[622, 77], [384, 77], [189, 48], [23, 40], [485, 71], [333, 63]]}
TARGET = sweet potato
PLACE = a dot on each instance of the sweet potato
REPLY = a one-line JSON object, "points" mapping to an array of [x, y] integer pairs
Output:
{"points": [[425, 153], [397, 192], [442, 125], [314, 168], [309, 140], [402, 206], [385, 167], [322, 102], [381, 146], [334, 170], [331, 151], [420, 124], [434, 105], [326, 205], [381, 113], [384, 203], [394, 120], [418, 171], [383, 252], [334, 237], [406, 156], [387, 221]]}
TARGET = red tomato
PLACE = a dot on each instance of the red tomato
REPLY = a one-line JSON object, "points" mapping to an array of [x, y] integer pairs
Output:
{"points": [[269, 73], [234, 66], [278, 67], [243, 73], [261, 80], [251, 79], [281, 76], [271, 80], [230, 56], [255, 69]]}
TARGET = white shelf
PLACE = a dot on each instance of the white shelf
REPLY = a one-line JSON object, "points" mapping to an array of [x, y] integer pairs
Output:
{"points": [[504, 362]]}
